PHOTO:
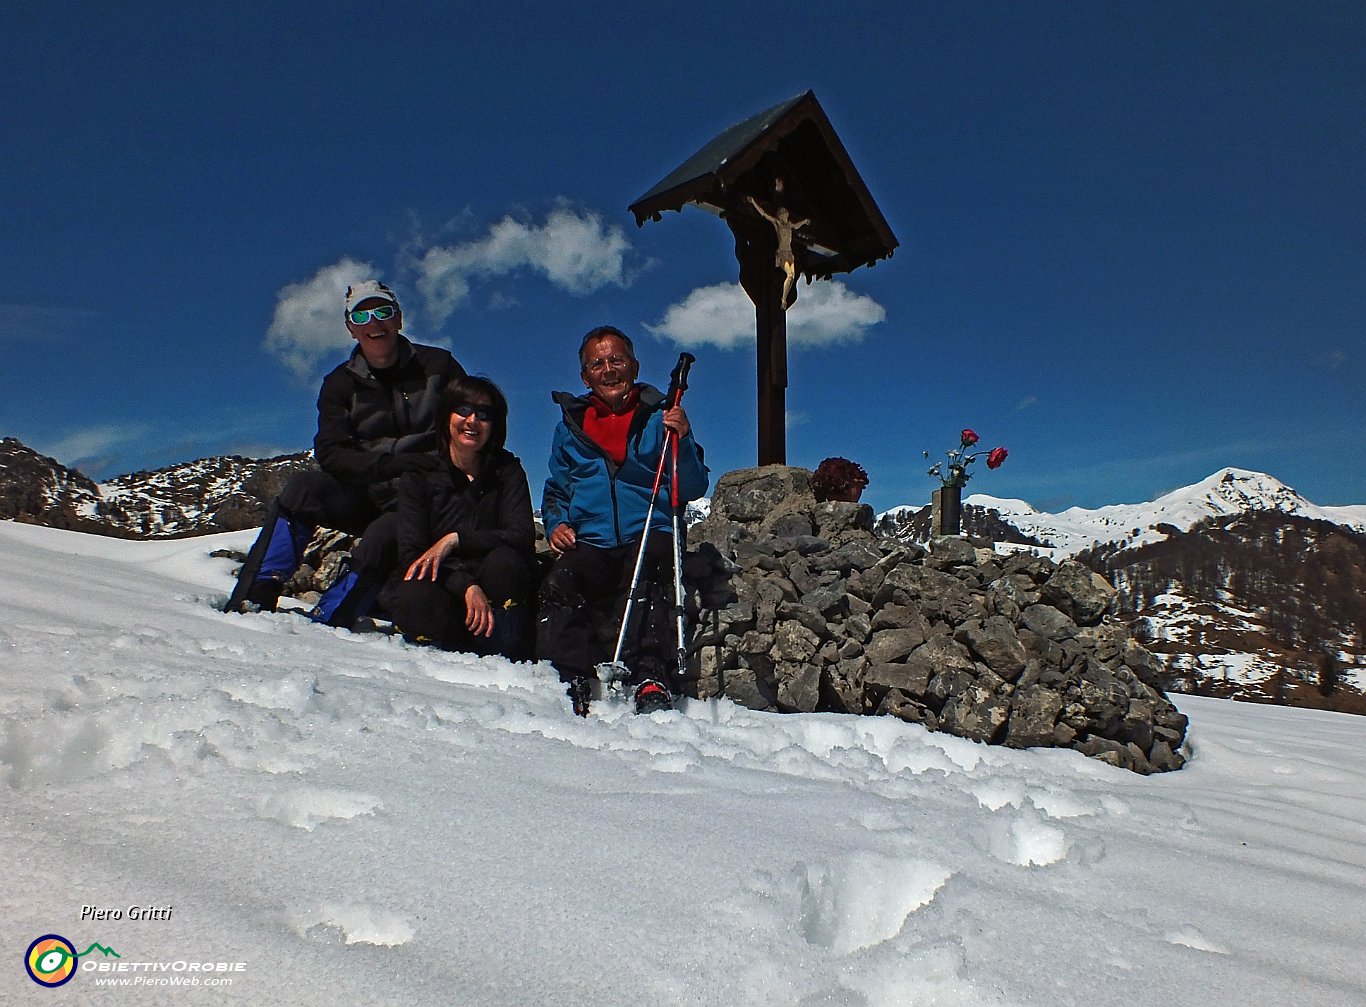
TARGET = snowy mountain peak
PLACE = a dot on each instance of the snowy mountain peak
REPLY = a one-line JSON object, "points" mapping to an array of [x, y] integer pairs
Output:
{"points": [[1227, 492], [1237, 491]]}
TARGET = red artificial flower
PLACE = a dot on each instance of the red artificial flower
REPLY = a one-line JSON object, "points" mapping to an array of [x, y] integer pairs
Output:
{"points": [[970, 437], [997, 456]]}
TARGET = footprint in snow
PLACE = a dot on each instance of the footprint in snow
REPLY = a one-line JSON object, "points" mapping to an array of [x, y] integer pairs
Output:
{"points": [[1024, 838], [865, 899], [351, 924], [1190, 937], [307, 808]]}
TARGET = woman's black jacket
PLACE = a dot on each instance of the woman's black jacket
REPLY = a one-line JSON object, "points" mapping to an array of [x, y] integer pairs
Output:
{"points": [[494, 510]]}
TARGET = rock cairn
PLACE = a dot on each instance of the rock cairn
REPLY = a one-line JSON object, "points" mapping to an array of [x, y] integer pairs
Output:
{"points": [[800, 607]]}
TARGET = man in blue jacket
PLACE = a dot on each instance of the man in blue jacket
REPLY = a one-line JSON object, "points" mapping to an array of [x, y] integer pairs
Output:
{"points": [[376, 416], [603, 460]]}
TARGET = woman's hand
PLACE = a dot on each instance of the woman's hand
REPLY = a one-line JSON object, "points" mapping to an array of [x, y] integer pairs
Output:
{"points": [[428, 565], [478, 611]]}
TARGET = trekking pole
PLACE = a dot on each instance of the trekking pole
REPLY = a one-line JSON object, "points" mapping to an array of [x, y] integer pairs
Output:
{"points": [[613, 672], [679, 610]]}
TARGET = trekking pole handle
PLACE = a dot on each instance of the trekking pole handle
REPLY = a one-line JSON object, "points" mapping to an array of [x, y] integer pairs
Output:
{"points": [[678, 378]]}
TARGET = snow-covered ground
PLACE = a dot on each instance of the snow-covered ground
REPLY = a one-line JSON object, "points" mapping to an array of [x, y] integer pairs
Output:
{"points": [[356, 821]]}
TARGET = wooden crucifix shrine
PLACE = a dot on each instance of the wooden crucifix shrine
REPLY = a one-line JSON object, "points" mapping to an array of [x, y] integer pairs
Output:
{"points": [[796, 206]]}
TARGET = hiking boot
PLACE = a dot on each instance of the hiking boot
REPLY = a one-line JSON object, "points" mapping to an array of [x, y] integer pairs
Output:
{"points": [[262, 596], [580, 694], [652, 696]]}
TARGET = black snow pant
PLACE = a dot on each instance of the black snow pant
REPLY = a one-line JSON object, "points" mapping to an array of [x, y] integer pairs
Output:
{"points": [[581, 604], [434, 611], [315, 499]]}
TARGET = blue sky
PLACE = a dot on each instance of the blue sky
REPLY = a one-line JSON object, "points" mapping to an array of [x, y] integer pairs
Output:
{"points": [[1133, 236]]}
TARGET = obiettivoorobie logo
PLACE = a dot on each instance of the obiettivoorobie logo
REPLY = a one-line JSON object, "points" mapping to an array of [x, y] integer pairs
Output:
{"points": [[51, 959]]}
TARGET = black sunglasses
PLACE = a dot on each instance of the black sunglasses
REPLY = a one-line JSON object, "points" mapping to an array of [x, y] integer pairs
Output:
{"points": [[484, 414]]}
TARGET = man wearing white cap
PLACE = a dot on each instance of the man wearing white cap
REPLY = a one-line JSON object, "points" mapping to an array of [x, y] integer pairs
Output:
{"points": [[375, 422]]}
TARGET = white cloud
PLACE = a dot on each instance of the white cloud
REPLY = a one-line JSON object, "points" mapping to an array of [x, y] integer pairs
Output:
{"points": [[91, 449], [308, 316], [573, 249], [83, 444], [826, 313]]}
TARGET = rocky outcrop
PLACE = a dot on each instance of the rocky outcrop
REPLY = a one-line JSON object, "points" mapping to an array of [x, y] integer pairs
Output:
{"points": [[801, 608], [41, 490], [225, 493]]}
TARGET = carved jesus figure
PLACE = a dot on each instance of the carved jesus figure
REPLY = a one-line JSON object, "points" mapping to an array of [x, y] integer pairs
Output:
{"points": [[785, 259]]}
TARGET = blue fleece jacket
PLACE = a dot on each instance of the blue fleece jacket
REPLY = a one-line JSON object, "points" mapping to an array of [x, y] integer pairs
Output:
{"points": [[606, 503]]}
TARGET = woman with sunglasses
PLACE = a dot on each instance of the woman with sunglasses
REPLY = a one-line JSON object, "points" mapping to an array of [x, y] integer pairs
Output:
{"points": [[465, 533]]}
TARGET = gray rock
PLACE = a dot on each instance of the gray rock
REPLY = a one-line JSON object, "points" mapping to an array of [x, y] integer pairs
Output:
{"points": [[798, 687], [890, 645], [755, 642], [842, 686], [975, 713], [750, 495], [737, 617], [898, 704], [856, 627], [1018, 588], [899, 617], [856, 555], [831, 601], [1033, 716], [802, 545], [911, 678], [951, 551], [1146, 665], [944, 653], [948, 683], [1047, 622], [745, 687], [867, 584], [938, 595], [789, 525], [762, 561], [1104, 642], [1078, 592], [836, 518], [1037, 568], [750, 550], [995, 642], [794, 643], [806, 615], [1163, 759]]}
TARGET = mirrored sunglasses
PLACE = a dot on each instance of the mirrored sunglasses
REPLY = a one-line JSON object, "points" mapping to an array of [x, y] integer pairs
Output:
{"points": [[381, 314], [484, 414]]}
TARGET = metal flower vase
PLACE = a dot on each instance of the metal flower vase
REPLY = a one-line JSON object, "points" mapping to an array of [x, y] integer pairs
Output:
{"points": [[946, 511]]}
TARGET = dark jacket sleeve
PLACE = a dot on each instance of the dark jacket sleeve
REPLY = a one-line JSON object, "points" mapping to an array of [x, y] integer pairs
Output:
{"points": [[414, 514], [335, 447], [513, 525]]}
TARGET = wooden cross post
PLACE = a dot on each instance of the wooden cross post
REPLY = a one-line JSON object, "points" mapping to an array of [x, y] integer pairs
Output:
{"points": [[755, 247]]}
